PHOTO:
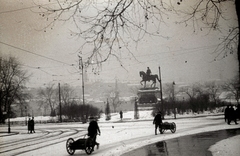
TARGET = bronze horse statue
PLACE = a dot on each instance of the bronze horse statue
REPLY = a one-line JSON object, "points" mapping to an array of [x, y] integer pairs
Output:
{"points": [[146, 77]]}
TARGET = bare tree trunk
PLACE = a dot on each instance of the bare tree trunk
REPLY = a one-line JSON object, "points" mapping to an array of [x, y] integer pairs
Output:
{"points": [[237, 4]]}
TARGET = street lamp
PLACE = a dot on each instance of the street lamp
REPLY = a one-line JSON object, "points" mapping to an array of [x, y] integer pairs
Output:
{"points": [[162, 108], [9, 111], [174, 109], [26, 115]]}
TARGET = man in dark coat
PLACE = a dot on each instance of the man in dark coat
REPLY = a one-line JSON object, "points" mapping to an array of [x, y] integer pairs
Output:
{"points": [[232, 115], [93, 130], [238, 112], [33, 124], [121, 114], [157, 121], [226, 114], [29, 125]]}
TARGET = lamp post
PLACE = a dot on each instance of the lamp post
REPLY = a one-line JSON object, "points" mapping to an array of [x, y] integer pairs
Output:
{"points": [[81, 66], [162, 108], [60, 105], [26, 115], [174, 109], [9, 111]]}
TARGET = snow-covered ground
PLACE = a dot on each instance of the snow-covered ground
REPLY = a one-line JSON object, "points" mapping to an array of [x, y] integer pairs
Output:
{"points": [[229, 147], [118, 137]]}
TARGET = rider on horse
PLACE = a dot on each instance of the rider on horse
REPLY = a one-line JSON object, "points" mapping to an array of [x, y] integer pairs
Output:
{"points": [[148, 72], [148, 77]]}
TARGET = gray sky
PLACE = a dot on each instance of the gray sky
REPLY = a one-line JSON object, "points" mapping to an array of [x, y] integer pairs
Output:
{"points": [[184, 56]]}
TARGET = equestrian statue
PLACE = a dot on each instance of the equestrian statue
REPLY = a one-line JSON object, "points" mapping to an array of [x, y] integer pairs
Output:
{"points": [[148, 77]]}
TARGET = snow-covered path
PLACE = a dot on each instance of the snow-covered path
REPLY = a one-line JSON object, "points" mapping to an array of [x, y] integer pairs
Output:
{"points": [[116, 137]]}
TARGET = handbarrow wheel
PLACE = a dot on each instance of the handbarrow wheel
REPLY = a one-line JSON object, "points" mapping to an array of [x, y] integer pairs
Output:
{"points": [[161, 130], [173, 129], [89, 146], [69, 143]]}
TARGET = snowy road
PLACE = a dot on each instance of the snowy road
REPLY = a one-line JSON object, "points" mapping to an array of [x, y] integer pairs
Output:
{"points": [[116, 138]]}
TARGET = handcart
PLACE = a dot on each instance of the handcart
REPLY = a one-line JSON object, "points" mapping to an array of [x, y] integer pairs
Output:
{"points": [[85, 143], [167, 126]]}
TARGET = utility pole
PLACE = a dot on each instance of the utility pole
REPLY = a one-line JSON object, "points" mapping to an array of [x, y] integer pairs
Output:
{"points": [[60, 105], [174, 109], [161, 92], [9, 111], [81, 68]]}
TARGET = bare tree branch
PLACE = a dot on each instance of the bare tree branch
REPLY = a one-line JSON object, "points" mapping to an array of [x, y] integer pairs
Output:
{"points": [[208, 14], [105, 25]]}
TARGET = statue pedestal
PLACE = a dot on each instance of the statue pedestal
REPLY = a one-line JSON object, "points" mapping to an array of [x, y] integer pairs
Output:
{"points": [[148, 98]]}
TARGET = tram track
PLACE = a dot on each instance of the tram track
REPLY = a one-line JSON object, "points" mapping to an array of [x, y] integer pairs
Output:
{"points": [[23, 143], [51, 137], [13, 142]]}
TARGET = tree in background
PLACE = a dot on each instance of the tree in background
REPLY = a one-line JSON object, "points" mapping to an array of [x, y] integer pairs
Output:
{"points": [[12, 85], [214, 91], [113, 96], [114, 100], [75, 111], [48, 98], [191, 92], [71, 110], [67, 94], [23, 101], [232, 89]]}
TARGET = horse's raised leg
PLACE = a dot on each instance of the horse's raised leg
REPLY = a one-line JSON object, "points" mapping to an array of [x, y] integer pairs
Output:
{"points": [[153, 84]]}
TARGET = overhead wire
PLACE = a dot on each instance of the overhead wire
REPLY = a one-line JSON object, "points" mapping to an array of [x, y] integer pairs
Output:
{"points": [[187, 51], [40, 68], [190, 50], [49, 58]]}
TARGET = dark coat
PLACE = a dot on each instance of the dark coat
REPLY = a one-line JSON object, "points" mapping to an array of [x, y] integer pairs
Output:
{"points": [[121, 114], [29, 125], [158, 119], [93, 129], [226, 112], [232, 114]]}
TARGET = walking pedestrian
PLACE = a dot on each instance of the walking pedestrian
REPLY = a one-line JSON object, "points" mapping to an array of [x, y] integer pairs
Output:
{"points": [[157, 121], [93, 130], [238, 112], [121, 114], [226, 114], [29, 125], [33, 124], [232, 116]]}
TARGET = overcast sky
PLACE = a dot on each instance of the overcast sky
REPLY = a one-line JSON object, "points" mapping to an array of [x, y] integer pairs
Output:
{"points": [[184, 56]]}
